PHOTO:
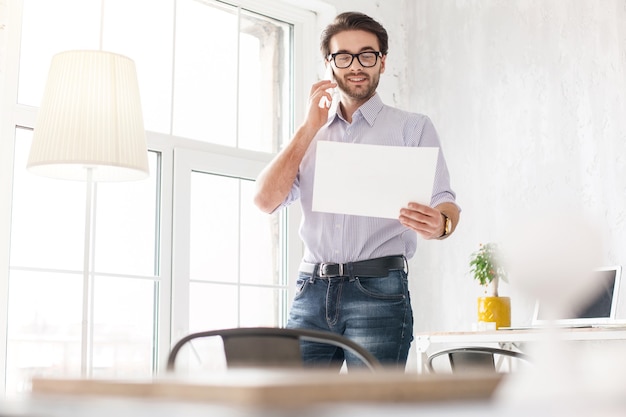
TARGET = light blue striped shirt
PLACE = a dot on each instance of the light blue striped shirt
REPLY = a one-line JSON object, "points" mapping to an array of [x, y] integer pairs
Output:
{"points": [[344, 238]]}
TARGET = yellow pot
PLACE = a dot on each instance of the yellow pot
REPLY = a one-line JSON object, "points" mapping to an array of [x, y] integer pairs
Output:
{"points": [[495, 309]]}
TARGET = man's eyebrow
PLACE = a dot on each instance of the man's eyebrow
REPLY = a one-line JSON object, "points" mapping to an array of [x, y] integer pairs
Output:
{"points": [[364, 49]]}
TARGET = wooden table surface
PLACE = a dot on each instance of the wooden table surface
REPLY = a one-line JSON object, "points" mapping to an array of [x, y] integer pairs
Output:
{"points": [[282, 388]]}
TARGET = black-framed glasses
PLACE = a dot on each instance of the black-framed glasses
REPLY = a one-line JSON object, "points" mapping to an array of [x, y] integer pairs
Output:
{"points": [[366, 59]]}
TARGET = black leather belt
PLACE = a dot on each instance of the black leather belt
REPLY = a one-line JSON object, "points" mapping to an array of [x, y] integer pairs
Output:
{"points": [[377, 267]]}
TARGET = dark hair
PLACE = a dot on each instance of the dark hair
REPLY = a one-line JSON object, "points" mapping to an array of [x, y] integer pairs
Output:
{"points": [[353, 21]]}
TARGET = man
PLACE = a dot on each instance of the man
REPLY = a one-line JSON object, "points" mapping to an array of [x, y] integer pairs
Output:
{"points": [[353, 279]]}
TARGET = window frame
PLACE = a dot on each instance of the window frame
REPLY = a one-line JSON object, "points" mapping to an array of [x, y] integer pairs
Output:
{"points": [[307, 18]]}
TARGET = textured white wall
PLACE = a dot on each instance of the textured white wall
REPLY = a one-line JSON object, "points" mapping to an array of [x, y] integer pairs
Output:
{"points": [[529, 98]]}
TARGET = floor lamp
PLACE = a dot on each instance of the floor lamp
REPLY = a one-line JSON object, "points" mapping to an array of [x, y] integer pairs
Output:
{"points": [[90, 128]]}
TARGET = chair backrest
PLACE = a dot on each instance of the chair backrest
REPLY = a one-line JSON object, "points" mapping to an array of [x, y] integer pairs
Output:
{"points": [[271, 347], [474, 359]]}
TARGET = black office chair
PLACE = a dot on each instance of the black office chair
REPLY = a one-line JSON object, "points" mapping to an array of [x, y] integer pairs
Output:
{"points": [[271, 347], [475, 359]]}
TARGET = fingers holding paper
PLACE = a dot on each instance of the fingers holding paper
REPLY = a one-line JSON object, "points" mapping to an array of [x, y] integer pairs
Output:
{"points": [[427, 221]]}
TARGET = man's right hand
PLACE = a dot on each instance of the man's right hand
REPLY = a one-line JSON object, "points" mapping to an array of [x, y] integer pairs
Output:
{"points": [[275, 181], [320, 100]]}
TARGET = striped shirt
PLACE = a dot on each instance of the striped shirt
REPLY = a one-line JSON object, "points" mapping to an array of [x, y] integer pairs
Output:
{"points": [[344, 238]]}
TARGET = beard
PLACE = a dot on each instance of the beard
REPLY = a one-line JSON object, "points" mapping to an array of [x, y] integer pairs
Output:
{"points": [[361, 92]]}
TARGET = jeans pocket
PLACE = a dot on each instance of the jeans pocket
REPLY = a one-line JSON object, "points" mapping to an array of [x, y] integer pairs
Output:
{"points": [[391, 287], [302, 284]]}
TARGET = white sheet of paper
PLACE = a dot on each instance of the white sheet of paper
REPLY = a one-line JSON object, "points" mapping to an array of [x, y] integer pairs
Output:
{"points": [[372, 180]]}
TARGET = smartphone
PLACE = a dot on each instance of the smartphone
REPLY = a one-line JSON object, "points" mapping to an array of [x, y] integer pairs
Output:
{"points": [[328, 75]]}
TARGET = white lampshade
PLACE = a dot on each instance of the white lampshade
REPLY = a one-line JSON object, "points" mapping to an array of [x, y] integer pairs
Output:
{"points": [[90, 117]]}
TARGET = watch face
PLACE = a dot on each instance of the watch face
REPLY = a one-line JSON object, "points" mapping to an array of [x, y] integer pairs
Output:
{"points": [[448, 225]]}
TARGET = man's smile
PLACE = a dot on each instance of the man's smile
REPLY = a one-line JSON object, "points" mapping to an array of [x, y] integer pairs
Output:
{"points": [[357, 79]]}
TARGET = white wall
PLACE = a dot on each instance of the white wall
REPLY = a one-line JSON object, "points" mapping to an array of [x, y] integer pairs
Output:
{"points": [[529, 98]]}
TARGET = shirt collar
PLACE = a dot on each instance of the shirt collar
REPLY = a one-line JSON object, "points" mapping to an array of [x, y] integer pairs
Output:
{"points": [[369, 110]]}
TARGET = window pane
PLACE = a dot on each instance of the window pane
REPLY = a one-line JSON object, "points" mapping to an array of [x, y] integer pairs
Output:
{"points": [[263, 83], [149, 42], [260, 242], [49, 27], [126, 225], [262, 306], [214, 103], [44, 332], [124, 322], [212, 306], [205, 75], [231, 240], [214, 240], [47, 229]]}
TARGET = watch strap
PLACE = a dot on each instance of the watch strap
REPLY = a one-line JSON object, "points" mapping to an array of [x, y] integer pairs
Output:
{"points": [[447, 225]]}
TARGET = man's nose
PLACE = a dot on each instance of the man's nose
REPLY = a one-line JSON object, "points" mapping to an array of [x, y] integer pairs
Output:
{"points": [[356, 63]]}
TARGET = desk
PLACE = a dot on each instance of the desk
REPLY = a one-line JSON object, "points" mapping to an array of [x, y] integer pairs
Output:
{"points": [[282, 388], [508, 338], [324, 395]]}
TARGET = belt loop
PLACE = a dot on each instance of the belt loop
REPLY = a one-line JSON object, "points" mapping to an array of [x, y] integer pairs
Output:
{"points": [[350, 266], [316, 273], [406, 264], [313, 275]]}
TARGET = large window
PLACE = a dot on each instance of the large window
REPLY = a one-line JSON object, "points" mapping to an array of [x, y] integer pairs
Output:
{"points": [[183, 250]]}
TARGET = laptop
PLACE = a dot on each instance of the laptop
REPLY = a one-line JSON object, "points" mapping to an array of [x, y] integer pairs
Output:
{"points": [[601, 310]]}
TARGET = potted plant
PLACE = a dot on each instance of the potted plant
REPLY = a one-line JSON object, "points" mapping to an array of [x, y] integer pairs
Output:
{"points": [[486, 268]]}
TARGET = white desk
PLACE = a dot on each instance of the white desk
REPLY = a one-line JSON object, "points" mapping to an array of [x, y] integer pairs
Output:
{"points": [[509, 338]]}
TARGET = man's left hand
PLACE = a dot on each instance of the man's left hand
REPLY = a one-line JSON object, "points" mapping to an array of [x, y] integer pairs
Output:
{"points": [[427, 221]]}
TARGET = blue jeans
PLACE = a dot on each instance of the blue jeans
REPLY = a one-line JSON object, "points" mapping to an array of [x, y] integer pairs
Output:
{"points": [[374, 312]]}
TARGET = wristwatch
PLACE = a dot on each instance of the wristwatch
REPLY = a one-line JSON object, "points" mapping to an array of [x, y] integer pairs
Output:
{"points": [[447, 228]]}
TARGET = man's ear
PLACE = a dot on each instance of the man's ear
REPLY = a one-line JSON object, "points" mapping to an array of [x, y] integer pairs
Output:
{"points": [[383, 59]]}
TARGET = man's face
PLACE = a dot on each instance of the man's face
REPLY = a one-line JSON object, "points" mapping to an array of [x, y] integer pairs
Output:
{"points": [[357, 81]]}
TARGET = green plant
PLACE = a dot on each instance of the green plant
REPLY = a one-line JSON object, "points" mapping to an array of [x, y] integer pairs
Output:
{"points": [[485, 266]]}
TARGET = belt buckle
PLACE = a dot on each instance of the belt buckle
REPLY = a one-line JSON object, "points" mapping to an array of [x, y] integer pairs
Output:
{"points": [[323, 270]]}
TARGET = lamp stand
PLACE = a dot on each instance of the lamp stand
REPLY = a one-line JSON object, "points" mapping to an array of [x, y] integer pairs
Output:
{"points": [[87, 330]]}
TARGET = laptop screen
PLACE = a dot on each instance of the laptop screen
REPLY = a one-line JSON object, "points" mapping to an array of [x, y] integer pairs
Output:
{"points": [[599, 309]]}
